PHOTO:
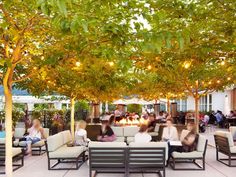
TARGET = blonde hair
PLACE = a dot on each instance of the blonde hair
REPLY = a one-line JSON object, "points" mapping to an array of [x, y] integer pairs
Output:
{"points": [[81, 125]]}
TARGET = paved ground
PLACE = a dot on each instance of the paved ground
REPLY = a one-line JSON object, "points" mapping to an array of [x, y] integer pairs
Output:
{"points": [[36, 166]]}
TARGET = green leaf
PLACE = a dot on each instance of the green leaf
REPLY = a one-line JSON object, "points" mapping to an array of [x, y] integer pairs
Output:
{"points": [[62, 7]]}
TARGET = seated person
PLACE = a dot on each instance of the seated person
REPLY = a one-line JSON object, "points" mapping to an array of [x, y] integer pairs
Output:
{"points": [[151, 122], [36, 133], [170, 132], [81, 134], [191, 139], [106, 133], [142, 136], [189, 143]]}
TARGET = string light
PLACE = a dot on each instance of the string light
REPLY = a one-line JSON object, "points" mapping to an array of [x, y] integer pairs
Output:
{"points": [[35, 68], [222, 63], [77, 63], [209, 82], [187, 64], [111, 63], [228, 78], [218, 81], [149, 67]]}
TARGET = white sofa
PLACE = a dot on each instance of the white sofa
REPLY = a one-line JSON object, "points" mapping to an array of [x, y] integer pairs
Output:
{"points": [[130, 132], [57, 149], [225, 145], [119, 132]]}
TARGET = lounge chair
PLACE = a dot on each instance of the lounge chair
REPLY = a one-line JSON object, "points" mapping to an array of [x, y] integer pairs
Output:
{"points": [[191, 157], [225, 145]]}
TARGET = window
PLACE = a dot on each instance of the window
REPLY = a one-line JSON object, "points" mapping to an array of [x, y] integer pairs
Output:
{"points": [[178, 105], [203, 103], [184, 105], [210, 102]]}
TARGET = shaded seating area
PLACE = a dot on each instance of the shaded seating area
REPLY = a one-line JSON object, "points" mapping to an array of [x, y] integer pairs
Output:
{"points": [[225, 145], [191, 157], [58, 150], [17, 157]]}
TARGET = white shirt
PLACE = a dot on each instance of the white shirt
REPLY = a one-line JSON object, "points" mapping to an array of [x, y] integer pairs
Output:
{"points": [[170, 133], [142, 137], [81, 137], [34, 133]]}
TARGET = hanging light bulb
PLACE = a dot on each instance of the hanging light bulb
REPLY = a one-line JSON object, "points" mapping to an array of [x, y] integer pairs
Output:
{"points": [[222, 63], [209, 82], [111, 63], [187, 64], [218, 81], [149, 67], [77, 63], [228, 78]]}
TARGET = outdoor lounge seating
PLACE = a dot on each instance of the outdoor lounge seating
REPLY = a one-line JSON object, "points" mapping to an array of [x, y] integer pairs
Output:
{"points": [[107, 157], [225, 145], [37, 148], [57, 150], [147, 157], [232, 130], [17, 156], [117, 157], [191, 157]]}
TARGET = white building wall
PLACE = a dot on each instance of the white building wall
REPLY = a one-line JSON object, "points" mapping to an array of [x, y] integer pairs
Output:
{"points": [[220, 101]]}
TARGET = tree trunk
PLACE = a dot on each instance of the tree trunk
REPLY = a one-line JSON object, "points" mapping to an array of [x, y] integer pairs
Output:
{"points": [[72, 118], [8, 129], [197, 113], [168, 105]]}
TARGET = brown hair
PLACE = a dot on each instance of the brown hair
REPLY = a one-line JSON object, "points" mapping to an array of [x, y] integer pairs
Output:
{"points": [[171, 120], [143, 128]]}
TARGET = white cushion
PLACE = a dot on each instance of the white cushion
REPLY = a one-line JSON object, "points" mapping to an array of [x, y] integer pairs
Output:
{"points": [[107, 144], [2, 140], [118, 131], [39, 144], [232, 130], [151, 144], [153, 133], [19, 132], [67, 152], [67, 138], [233, 149], [130, 139], [190, 155], [120, 139], [130, 131], [16, 151], [46, 132], [226, 135], [201, 143], [183, 134], [55, 141]]}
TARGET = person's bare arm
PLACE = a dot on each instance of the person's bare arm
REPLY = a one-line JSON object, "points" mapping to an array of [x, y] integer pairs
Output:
{"points": [[42, 133], [189, 141]]}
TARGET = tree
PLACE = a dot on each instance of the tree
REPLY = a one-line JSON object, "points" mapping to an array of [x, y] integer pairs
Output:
{"points": [[24, 31]]}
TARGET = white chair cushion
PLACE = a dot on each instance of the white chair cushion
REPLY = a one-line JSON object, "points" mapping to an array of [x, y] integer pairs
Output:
{"points": [[190, 155], [233, 149], [153, 133], [151, 144], [107, 144], [55, 141], [39, 144], [67, 138], [67, 152], [226, 135], [120, 139], [16, 151], [201, 143], [2, 140], [232, 130], [118, 131], [130, 139], [19, 132], [130, 131]]}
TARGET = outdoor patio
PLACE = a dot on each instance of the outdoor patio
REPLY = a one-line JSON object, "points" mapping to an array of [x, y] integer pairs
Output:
{"points": [[36, 166]]}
